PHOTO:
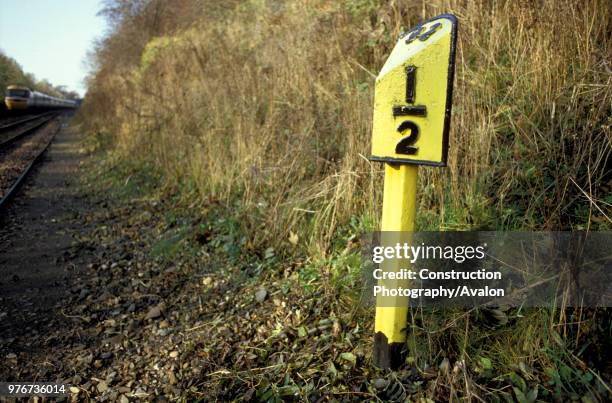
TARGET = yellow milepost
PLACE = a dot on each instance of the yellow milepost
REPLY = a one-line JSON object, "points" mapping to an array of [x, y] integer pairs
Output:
{"points": [[412, 109]]}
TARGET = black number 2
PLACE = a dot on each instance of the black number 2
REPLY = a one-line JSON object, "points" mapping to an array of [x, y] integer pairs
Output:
{"points": [[405, 145]]}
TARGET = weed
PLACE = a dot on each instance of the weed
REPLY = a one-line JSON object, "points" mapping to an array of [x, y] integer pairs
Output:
{"points": [[259, 113]]}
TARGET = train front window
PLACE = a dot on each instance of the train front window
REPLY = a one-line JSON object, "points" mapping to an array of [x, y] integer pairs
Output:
{"points": [[17, 93]]}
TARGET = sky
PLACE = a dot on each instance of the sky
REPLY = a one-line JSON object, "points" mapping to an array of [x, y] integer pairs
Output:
{"points": [[50, 38]]}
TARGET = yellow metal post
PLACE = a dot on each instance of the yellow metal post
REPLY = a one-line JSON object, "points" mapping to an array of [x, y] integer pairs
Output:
{"points": [[398, 215], [412, 109]]}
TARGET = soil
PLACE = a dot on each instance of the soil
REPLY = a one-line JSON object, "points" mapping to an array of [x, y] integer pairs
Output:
{"points": [[85, 302], [124, 297], [35, 239]]}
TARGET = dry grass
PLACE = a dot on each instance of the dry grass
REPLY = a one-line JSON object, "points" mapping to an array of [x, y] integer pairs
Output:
{"points": [[266, 107], [272, 104]]}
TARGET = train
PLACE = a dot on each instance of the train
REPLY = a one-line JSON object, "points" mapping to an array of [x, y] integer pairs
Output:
{"points": [[20, 98]]}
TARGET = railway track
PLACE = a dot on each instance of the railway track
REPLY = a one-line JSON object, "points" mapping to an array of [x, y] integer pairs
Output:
{"points": [[11, 132], [10, 123], [22, 145]]}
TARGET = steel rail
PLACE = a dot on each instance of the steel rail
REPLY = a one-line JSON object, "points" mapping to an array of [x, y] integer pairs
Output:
{"points": [[10, 140], [22, 121], [12, 191]]}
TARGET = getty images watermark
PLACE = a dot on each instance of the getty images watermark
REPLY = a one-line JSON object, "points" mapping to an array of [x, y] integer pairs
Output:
{"points": [[488, 268], [411, 254]]}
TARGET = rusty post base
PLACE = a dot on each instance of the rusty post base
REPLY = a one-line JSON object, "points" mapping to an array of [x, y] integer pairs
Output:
{"points": [[388, 356]]}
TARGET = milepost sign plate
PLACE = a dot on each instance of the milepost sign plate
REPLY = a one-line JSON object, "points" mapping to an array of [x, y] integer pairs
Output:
{"points": [[413, 96]]}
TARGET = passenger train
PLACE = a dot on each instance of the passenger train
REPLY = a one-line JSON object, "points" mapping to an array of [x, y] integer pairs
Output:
{"points": [[18, 97]]}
